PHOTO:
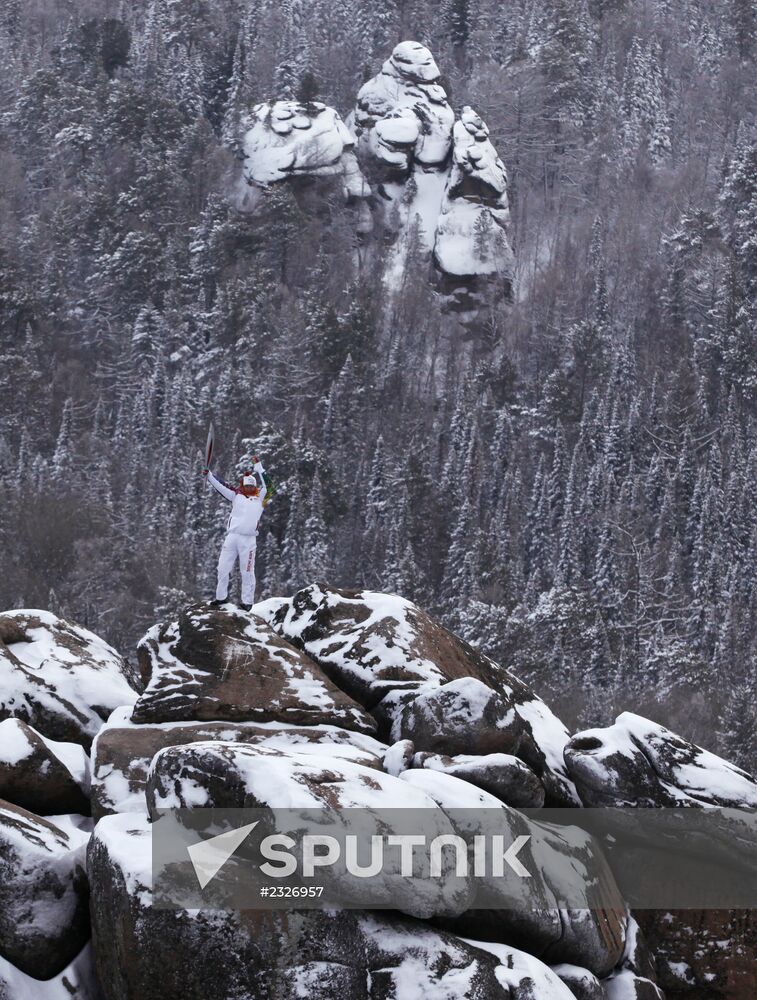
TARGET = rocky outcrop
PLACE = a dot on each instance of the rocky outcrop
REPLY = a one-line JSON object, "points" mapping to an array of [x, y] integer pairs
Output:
{"points": [[430, 183], [123, 751], [501, 775], [402, 115], [439, 178], [275, 709], [289, 139], [43, 893], [639, 763], [471, 237], [386, 652], [58, 677], [42, 775], [330, 955], [223, 664]]}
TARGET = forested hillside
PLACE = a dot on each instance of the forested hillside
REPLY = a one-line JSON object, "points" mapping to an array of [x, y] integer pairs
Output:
{"points": [[569, 479]]}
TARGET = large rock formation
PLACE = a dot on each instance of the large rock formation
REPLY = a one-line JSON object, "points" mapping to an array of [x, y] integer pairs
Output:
{"points": [[290, 140], [218, 663], [438, 179], [436, 185], [60, 678], [471, 237], [43, 893], [389, 655], [40, 774], [275, 708], [402, 115], [259, 955], [641, 764]]}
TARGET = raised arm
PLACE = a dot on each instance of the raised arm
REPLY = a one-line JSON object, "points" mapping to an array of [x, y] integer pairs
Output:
{"points": [[219, 487], [258, 467]]}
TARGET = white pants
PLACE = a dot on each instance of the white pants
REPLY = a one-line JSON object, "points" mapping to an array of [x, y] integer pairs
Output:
{"points": [[241, 547]]}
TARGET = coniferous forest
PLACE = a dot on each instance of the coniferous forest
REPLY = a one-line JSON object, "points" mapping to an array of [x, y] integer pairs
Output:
{"points": [[567, 479]]}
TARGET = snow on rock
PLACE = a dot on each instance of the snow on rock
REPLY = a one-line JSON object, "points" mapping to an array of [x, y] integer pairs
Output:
{"points": [[710, 954], [406, 130], [402, 114], [383, 649], [77, 981], [58, 677], [44, 921], [42, 775], [626, 985], [462, 716], [221, 663], [505, 777], [123, 751], [531, 912], [289, 955], [236, 776], [639, 763], [471, 236], [290, 139], [415, 962], [436, 185], [399, 757], [582, 984]]}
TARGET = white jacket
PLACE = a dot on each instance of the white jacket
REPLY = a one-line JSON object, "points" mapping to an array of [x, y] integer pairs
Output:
{"points": [[245, 511]]}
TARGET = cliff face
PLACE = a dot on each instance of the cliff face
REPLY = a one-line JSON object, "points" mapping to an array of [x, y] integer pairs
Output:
{"points": [[424, 178], [335, 701]]}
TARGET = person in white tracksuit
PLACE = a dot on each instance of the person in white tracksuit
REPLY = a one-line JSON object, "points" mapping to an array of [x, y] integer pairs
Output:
{"points": [[246, 509]]}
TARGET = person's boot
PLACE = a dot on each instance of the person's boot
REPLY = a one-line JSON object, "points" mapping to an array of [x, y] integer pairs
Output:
{"points": [[246, 607], [215, 603]]}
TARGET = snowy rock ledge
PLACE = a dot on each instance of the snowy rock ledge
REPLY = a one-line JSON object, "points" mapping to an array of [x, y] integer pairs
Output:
{"points": [[289, 139], [60, 678]]}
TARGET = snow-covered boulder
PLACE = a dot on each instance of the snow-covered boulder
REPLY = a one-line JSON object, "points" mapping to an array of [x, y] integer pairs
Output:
{"points": [[384, 650], [261, 954], [402, 114], [566, 865], [463, 716], [505, 777], [78, 981], [639, 763], [42, 775], [292, 139], [123, 751], [236, 776], [221, 663], [44, 918], [583, 984], [399, 757], [60, 678], [471, 236]]}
